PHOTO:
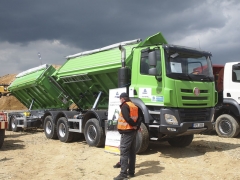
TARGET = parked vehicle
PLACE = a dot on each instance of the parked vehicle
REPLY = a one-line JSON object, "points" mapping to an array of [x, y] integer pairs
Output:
{"points": [[4, 89], [3, 127], [227, 110], [174, 102]]}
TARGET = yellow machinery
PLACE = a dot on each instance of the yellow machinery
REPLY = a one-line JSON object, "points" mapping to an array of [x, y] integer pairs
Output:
{"points": [[4, 90]]}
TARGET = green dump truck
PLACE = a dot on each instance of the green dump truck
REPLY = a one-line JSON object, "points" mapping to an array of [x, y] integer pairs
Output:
{"points": [[175, 101]]}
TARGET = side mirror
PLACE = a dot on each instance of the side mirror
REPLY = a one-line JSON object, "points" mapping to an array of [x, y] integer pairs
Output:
{"points": [[152, 71], [152, 58]]}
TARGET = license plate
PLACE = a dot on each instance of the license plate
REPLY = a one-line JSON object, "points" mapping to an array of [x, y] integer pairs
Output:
{"points": [[198, 125]]}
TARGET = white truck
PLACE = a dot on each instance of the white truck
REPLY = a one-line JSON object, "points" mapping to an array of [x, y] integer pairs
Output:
{"points": [[227, 111]]}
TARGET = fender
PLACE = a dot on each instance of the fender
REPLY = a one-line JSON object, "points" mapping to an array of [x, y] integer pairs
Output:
{"points": [[138, 102], [231, 105], [57, 114], [51, 113], [101, 115]]}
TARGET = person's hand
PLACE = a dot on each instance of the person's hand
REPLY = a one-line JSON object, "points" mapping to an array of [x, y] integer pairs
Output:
{"points": [[134, 127]]}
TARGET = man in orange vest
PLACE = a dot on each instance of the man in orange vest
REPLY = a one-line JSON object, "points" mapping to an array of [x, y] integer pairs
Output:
{"points": [[127, 126]]}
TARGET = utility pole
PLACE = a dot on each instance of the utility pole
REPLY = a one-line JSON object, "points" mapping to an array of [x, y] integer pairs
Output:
{"points": [[40, 57]]}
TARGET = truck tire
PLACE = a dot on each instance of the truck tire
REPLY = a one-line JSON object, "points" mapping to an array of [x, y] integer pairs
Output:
{"points": [[227, 126], [142, 139], [181, 141], [13, 124], [2, 134], [49, 128], [94, 134], [63, 133]]}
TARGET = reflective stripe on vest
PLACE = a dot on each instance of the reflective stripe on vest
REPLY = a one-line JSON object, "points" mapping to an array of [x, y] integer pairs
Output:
{"points": [[122, 123]]}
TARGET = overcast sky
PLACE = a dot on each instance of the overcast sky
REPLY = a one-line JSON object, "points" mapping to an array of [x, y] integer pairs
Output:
{"points": [[57, 28]]}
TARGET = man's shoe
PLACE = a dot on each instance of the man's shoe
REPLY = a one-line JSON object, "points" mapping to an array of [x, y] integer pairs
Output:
{"points": [[120, 177], [130, 174], [118, 165]]}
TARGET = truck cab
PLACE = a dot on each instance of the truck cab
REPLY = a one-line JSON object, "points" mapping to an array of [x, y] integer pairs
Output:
{"points": [[227, 110], [174, 87]]}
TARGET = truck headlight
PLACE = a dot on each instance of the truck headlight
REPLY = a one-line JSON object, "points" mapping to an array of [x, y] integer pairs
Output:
{"points": [[171, 119]]}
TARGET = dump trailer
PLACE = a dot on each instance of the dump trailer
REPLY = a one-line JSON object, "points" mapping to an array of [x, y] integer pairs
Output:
{"points": [[34, 89], [227, 111], [174, 102], [3, 127]]}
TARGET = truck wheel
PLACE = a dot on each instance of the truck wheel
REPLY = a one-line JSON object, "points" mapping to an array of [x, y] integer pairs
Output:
{"points": [[227, 126], [142, 139], [93, 133], [49, 128], [14, 124], [63, 130], [2, 134], [181, 141]]}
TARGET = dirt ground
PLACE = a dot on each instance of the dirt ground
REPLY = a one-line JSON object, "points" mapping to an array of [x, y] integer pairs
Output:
{"points": [[30, 155]]}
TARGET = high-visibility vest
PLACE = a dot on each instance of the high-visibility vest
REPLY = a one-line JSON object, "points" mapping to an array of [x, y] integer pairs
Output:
{"points": [[122, 123]]}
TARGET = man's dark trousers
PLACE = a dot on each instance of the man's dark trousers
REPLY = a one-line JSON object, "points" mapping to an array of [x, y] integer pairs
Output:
{"points": [[128, 152]]}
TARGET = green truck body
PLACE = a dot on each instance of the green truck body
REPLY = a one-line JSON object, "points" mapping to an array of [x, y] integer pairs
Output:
{"points": [[175, 100], [36, 84]]}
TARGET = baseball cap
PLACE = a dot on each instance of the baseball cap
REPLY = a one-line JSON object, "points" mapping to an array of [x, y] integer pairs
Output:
{"points": [[123, 95]]}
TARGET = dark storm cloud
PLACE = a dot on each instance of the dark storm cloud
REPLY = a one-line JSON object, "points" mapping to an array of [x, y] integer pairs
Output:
{"points": [[91, 24], [58, 28]]}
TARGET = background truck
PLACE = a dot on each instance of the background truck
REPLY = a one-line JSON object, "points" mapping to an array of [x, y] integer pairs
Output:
{"points": [[175, 103], [227, 110], [3, 127]]}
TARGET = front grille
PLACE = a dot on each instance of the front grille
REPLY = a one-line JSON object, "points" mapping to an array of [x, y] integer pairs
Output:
{"points": [[193, 98], [197, 104], [192, 115], [191, 91]]}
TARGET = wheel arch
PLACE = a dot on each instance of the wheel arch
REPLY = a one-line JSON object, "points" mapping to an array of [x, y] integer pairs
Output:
{"points": [[230, 106], [100, 115], [138, 102]]}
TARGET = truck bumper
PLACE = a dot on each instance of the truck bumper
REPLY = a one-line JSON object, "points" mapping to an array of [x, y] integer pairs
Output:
{"points": [[189, 121], [185, 128]]}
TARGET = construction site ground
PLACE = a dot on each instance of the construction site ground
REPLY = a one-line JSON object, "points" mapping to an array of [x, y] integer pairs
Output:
{"points": [[30, 155]]}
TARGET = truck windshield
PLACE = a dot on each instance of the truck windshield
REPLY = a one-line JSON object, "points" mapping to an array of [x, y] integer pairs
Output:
{"points": [[188, 66]]}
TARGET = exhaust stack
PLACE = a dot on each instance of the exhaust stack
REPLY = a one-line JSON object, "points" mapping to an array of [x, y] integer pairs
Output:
{"points": [[124, 74], [123, 55]]}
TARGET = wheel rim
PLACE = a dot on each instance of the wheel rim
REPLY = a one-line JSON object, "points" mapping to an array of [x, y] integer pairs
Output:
{"points": [[225, 127], [62, 130], [13, 123], [48, 127], [92, 133]]}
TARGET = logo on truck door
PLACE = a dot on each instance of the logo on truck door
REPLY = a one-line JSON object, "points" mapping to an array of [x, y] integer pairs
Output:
{"points": [[196, 91]]}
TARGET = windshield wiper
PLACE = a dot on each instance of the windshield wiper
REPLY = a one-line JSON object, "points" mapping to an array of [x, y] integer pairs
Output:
{"points": [[206, 78]]}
